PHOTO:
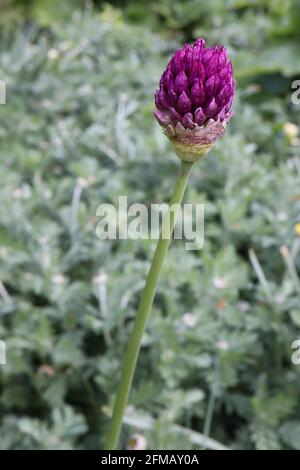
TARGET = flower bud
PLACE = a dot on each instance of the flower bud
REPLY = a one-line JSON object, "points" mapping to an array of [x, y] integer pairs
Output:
{"points": [[194, 99]]}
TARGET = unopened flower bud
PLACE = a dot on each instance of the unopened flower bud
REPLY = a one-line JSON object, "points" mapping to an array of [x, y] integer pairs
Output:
{"points": [[194, 99]]}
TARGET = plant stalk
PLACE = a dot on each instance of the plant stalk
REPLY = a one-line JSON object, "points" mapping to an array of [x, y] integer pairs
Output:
{"points": [[131, 356]]}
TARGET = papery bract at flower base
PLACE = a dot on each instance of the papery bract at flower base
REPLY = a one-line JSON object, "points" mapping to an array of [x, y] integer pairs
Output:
{"points": [[194, 99]]}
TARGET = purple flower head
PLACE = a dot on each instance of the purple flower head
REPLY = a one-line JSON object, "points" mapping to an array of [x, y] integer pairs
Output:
{"points": [[194, 98]]}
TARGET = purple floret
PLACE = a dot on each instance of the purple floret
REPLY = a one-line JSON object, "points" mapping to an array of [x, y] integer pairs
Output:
{"points": [[196, 87]]}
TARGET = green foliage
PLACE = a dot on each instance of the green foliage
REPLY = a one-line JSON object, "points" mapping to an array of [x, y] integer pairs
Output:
{"points": [[78, 121]]}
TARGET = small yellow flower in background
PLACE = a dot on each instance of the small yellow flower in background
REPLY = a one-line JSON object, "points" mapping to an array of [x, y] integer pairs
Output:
{"points": [[297, 229], [291, 132]]}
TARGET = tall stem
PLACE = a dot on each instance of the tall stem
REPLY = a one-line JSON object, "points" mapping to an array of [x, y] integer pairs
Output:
{"points": [[143, 312]]}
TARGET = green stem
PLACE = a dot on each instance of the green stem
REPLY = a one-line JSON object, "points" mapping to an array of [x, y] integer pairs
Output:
{"points": [[142, 316]]}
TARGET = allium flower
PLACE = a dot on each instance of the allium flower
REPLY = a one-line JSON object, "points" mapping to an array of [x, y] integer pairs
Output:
{"points": [[194, 98], [193, 106]]}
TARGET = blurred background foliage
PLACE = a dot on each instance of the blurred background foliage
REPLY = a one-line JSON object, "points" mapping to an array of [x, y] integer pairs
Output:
{"points": [[77, 131]]}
